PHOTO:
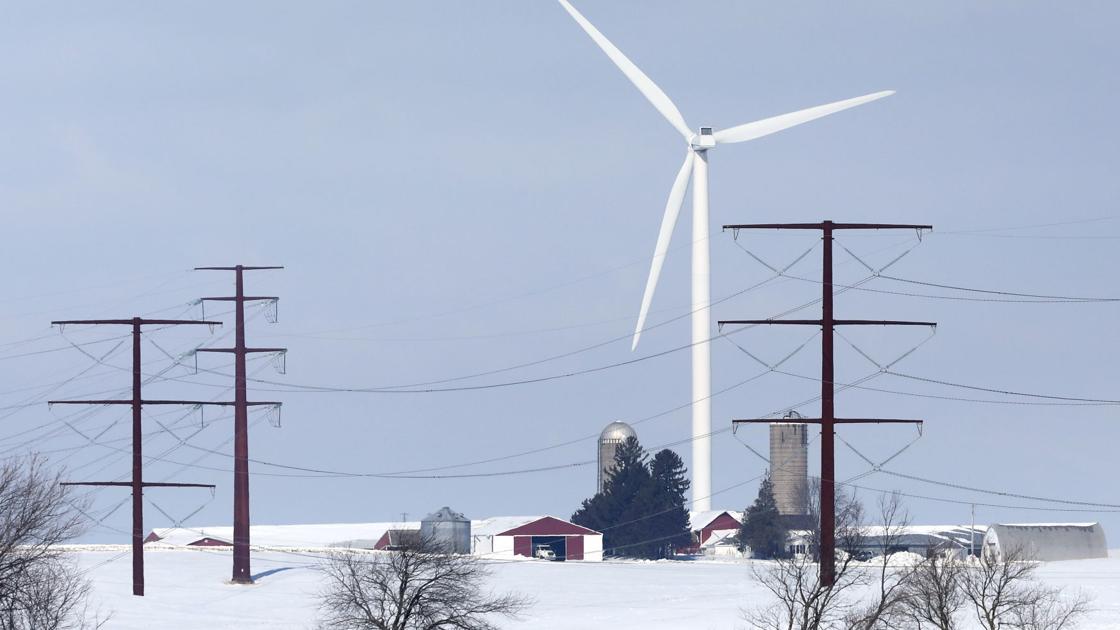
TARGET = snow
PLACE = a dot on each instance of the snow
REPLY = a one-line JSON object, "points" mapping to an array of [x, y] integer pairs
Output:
{"points": [[1050, 524], [187, 589], [721, 536], [700, 519], [305, 536], [498, 524]]}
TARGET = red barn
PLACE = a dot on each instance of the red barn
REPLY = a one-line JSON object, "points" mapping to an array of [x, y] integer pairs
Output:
{"points": [[712, 527], [522, 536]]}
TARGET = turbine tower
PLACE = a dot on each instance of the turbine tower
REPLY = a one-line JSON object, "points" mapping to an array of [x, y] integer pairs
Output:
{"points": [[696, 165]]}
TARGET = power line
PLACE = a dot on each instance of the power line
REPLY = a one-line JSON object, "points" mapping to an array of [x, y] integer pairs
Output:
{"points": [[999, 492], [1045, 298], [1032, 226], [1007, 392], [519, 296]]}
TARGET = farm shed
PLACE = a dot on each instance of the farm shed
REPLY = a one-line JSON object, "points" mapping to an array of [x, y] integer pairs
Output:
{"points": [[520, 536], [1047, 541], [187, 538], [719, 523], [395, 540], [922, 539]]}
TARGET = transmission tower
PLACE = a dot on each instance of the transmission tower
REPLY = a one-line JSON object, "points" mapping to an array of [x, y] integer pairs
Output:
{"points": [[828, 418], [241, 571], [137, 402]]}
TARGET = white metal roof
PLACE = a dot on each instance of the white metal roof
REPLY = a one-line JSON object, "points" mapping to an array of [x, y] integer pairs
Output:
{"points": [[700, 519], [497, 524]]}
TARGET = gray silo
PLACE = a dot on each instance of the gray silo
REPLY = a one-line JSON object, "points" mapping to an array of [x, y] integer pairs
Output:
{"points": [[789, 467], [615, 434], [447, 530]]}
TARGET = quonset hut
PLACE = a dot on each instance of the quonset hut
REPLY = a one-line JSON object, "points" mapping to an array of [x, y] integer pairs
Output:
{"points": [[1047, 541]]}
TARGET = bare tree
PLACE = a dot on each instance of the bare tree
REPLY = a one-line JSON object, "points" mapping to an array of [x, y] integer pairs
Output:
{"points": [[802, 601], [38, 588], [932, 595], [849, 518], [50, 596], [410, 589], [1050, 609], [998, 587], [1006, 593], [888, 579]]}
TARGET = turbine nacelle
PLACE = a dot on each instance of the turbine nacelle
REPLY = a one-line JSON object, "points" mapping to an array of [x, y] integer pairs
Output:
{"points": [[702, 141]]}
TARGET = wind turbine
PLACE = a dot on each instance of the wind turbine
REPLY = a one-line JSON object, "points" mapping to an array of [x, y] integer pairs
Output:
{"points": [[696, 165]]}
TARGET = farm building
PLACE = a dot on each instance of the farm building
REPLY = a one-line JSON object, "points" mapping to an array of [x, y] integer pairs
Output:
{"points": [[357, 535], [521, 536], [714, 532], [499, 537], [392, 540], [923, 540], [1047, 541], [187, 538], [448, 530], [719, 523]]}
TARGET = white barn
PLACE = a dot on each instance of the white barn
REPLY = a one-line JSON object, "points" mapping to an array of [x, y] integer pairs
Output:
{"points": [[1047, 541], [519, 536]]}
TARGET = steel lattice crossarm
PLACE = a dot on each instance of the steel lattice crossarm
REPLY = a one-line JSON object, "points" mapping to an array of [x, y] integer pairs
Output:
{"points": [[145, 484], [189, 403], [828, 324], [826, 225], [137, 402], [821, 322], [134, 321], [821, 420]]}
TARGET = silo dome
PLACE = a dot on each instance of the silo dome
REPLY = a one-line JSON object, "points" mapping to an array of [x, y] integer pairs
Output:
{"points": [[617, 431], [609, 440]]}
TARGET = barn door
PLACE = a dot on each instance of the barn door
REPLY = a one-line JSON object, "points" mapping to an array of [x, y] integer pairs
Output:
{"points": [[523, 546], [574, 546]]}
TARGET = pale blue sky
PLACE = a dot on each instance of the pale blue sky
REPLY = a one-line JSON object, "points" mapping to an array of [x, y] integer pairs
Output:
{"points": [[450, 183]]}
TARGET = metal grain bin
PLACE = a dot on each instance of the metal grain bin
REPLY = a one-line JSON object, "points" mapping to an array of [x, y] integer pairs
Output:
{"points": [[447, 530]]}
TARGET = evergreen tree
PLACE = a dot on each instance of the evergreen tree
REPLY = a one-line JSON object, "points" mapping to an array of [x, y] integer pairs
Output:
{"points": [[641, 508], [670, 483], [762, 529]]}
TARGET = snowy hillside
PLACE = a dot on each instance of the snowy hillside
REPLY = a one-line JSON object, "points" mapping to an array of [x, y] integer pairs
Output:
{"points": [[186, 590]]}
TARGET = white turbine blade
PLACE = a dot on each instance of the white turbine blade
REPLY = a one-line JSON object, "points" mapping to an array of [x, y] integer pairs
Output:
{"points": [[668, 222], [644, 84], [767, 126]]}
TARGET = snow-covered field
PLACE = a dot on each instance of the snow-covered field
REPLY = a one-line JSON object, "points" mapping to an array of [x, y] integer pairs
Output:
{"points": [[187, 589]]}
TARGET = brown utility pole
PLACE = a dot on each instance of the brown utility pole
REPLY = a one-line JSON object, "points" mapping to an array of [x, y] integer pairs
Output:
{"points": [[137, 483], [241, 571], [828, 418]]}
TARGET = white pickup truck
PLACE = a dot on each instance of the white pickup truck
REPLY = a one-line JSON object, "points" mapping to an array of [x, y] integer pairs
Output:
{"points": [[544, 552]]}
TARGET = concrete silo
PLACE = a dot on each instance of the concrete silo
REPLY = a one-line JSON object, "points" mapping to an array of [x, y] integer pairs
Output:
{"points": [[609, 440], [789, 468], [447, 530]]}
